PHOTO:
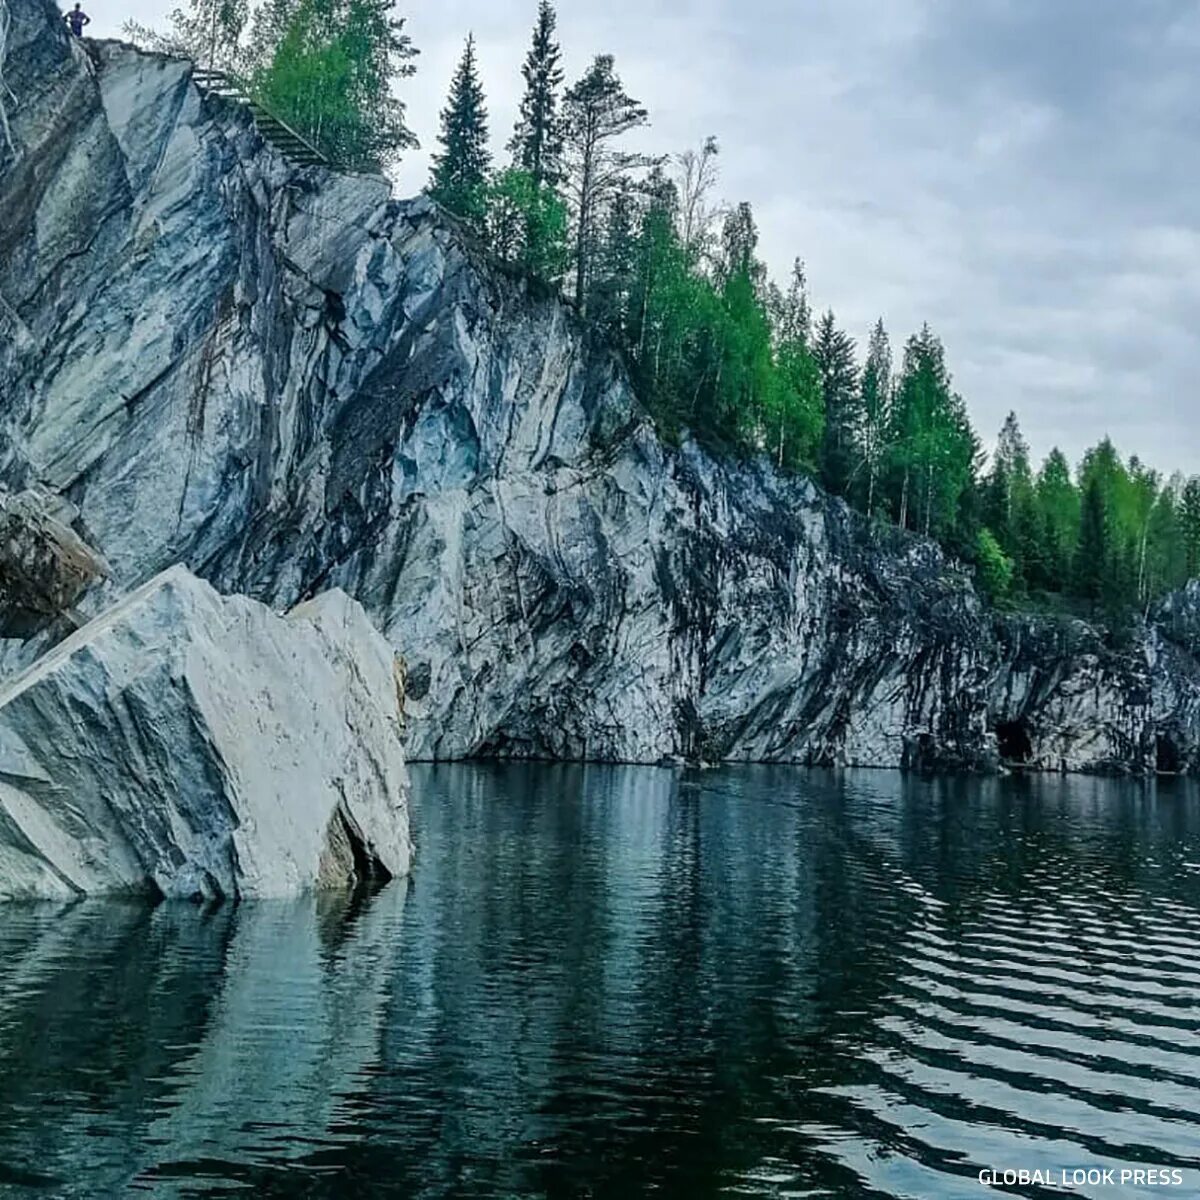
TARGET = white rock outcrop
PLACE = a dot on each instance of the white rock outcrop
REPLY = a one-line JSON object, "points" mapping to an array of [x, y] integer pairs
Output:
{"points": [[192, 745]]}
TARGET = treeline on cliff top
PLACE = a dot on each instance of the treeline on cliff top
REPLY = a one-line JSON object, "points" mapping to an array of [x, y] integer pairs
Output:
{"points": [[658, 266]]}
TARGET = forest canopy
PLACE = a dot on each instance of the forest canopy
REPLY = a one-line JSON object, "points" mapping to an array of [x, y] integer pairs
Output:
{"points": [[659, 266]]}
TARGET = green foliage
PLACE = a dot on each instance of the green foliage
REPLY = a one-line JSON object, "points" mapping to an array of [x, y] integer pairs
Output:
{"points": [[994, 569], [1189, 527], [1094, 552], [1057, 500], [875, 407], [1105, 543], [597, 112], [527, 224], [459, 176], [536, 144], [932, 449], [207, 31], [841, 450], [1009, 501], [717, 349], [714, 346], [326, 68]]}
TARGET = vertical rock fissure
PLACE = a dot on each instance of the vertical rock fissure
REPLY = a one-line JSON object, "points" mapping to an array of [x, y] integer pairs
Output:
{"points": [[6, 93]]}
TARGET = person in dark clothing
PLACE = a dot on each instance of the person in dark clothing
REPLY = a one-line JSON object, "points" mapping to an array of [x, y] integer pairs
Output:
{"points": [[77, 19]]}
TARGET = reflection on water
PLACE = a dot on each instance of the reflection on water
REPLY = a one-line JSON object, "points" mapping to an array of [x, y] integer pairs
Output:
{"points": [[616, 981]]}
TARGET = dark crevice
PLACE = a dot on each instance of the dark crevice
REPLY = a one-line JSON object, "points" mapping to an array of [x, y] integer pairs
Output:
{"points": [[1013, 742], [1167, 759]]}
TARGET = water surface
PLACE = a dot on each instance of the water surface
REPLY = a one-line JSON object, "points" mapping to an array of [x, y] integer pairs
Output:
{"points": [[616, 982]]}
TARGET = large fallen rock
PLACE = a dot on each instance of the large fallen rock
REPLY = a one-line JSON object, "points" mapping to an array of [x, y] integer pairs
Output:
{"points": [[193, 745]]}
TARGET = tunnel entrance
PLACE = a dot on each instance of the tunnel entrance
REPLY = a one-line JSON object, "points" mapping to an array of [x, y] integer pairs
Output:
{"points": [[1012, 739], [1167, 759]]}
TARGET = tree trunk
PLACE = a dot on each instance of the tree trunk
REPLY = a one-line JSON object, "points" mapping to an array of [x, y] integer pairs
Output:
{"points": [[585, 204]]}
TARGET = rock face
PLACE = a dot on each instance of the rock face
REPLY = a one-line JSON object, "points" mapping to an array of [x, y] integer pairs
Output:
{"points": [[190, 745], [45, 567], [289, 381]]}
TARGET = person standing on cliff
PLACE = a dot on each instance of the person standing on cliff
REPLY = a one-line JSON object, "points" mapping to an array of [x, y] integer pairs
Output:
{"points": [[77, 19]]}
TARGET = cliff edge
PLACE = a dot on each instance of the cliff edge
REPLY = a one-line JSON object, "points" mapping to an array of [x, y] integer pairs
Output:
{"points": [[289, 381]]}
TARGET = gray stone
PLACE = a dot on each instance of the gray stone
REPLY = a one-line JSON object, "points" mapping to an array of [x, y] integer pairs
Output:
{"points": [[289, 381], [45, 567], [190, 745]]}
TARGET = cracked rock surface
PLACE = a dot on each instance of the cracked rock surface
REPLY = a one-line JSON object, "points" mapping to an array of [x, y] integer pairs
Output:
{"points": [[290, 381], [190, 745]]}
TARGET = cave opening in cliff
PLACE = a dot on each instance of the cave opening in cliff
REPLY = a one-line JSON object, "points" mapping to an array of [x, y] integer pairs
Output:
{"points": [[1012, 738], [1167, 760]]}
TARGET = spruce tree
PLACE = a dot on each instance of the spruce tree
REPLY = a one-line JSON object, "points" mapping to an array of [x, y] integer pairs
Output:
{"points": [[1058, 509], [1189, 520], [1092, 554], [458, 180], [834, 351], [1010, 506], [536, 143], [617, 259]]}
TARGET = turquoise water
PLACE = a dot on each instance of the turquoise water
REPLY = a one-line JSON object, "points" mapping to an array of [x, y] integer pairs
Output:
{"points": [[628, 981]]}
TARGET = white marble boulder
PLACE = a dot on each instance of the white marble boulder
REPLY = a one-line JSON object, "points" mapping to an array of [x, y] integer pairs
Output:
{"points": [[186, 744]]}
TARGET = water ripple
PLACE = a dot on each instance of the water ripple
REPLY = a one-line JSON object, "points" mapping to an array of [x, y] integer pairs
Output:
{"points": [[623, 982]]}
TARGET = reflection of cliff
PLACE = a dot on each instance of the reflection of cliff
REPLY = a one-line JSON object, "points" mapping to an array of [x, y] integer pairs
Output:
{"points": [[179, 1041], [619, 964], [613, 982], [99, 1003]]}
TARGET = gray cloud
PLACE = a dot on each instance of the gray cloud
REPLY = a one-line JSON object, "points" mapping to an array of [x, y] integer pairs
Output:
{"points": [[1020, 173]]}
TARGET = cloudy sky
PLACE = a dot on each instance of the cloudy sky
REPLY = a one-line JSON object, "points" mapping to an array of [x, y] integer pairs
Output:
{"points": [[1023, 174]]}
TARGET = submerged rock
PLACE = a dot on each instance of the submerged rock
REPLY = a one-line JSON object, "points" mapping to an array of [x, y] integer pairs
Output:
{"points": [[191, 745], [290, 381]]}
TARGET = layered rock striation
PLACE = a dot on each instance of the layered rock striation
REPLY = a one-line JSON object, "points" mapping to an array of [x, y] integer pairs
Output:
{"points": [[289, 381]]}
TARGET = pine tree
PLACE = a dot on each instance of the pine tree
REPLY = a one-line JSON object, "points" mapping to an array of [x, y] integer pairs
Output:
{"points": [[458, 180], [536, 144], [833, 350], [596, 112]]}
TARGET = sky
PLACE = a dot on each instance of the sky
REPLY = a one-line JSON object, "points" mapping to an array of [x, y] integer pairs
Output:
{"points": [[1022, 174]]}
